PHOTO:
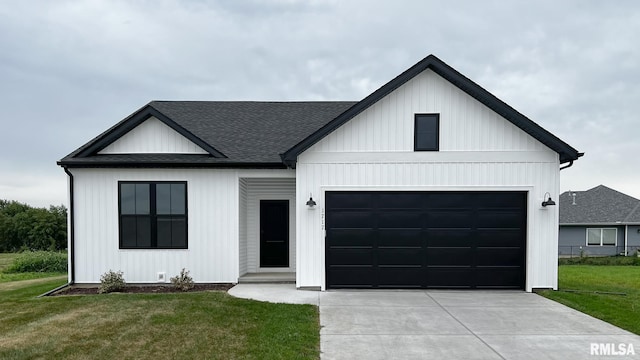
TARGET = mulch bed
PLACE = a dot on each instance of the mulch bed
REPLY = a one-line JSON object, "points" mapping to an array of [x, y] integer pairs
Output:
{"points": [[143, 289]]}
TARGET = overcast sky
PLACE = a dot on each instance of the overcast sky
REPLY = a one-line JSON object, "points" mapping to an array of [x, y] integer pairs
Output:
{"points": [[71, 69]]}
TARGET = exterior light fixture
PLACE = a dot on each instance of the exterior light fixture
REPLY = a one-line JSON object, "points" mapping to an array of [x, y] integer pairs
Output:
{"points": [[548, 202], [311, 203]]}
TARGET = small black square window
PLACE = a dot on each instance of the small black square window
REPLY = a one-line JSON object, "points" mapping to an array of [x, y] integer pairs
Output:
{"points": [[427, 128]]}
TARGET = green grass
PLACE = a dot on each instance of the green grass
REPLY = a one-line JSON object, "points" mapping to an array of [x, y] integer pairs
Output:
{"points": [[579, 285], [211, 325], [7, 259]]}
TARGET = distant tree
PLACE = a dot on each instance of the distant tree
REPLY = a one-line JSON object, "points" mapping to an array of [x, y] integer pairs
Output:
{"points": [[23, 227]]}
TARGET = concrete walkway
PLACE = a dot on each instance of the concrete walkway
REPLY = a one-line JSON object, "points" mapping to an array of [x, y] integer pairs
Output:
{"points": [[434, 324]]}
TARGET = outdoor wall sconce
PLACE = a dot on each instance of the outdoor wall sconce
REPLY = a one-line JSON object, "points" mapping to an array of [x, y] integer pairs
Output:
{"points": [[311, 203], [547, 202]]}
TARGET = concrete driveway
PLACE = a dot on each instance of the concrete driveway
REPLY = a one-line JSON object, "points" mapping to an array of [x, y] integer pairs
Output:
{"points": [[433, 324]]}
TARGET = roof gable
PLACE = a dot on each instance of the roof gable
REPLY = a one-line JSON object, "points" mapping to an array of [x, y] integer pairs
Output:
{"points": [[234, 134], [108, 137], [598, 206], [152, 137], [566, 152]]}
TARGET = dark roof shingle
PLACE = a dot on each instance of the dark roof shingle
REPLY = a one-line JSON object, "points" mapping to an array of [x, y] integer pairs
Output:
{"points": [[600, 205]]}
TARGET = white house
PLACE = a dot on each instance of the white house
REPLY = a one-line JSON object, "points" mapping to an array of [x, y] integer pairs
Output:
{"points": [[429, 182]]}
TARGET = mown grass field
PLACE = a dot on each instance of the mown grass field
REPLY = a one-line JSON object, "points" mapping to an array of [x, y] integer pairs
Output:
{"points": [[205, 325], [590, 288]]}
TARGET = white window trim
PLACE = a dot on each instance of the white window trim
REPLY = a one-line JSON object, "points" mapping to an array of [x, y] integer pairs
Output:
{"points": [[601, 236]]}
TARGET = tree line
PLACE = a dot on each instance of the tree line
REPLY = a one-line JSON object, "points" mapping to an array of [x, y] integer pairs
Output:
{"points": [[23, 227]]}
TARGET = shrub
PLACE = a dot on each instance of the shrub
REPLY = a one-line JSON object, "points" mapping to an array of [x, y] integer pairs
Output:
{"points": [[38, 261], [183, 281], [111, 281]]}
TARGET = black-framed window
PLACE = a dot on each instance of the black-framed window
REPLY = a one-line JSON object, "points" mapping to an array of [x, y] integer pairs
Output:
{"points": [[427, 132], [153, 215]]}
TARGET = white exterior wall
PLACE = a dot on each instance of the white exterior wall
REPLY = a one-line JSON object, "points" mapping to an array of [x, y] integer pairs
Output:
{"points": [[242, 232], [213, 198], [479, 150], [269, 189], [152, 137]]}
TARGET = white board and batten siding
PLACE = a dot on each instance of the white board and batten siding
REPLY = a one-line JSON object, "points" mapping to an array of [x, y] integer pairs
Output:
{"points": [[479, 150], [214, 252], [152, 137]]}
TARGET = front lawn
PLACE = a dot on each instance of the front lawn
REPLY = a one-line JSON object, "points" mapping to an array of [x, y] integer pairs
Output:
{"points": [[211, 325], [597, 291]]}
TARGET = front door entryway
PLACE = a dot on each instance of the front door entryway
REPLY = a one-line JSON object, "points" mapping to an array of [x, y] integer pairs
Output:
{"points": [[274, 233]]}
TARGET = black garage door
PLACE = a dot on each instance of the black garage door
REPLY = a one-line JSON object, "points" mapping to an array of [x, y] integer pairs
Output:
{"points": [[466, 240]]}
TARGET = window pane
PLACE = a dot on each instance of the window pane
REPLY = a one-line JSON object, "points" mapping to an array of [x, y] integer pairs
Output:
{"points": [[164, 232], [609, 237], [143, 231], [142, 199], [127, 198], [426, 132], [128, 231], [163, 199], [593, 236], [178, 196], [179, 232]]}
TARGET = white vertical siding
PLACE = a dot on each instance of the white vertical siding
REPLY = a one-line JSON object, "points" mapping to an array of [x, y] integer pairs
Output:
{"points": [[479, 151], [242, 231], [465, 123], [152, 136], [268, 189], [217, 224], [212, 254]]}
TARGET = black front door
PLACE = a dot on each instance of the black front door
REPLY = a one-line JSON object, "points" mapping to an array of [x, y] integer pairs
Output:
{"points": [[274, 233]]}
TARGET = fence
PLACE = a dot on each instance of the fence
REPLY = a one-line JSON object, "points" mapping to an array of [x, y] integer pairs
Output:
{"points": [[582, 250]]}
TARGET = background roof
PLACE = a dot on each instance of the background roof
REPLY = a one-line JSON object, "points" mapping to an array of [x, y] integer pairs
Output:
{"points": [[600, 205]]}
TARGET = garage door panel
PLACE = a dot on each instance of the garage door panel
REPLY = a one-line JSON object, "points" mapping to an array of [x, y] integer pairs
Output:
{"points": [[350, 200], [447, 200], [351, 219], [400, 277], [500, 200], [400, 256], [499, 277], [400, 219], [499, 219], [438, 219], [460, 256], [498, 256], [425, 239], [351, 256], [449, 238], [350, 237], [499, 237], [450, 277], [400, 237], [400, 201], [352, 277]]}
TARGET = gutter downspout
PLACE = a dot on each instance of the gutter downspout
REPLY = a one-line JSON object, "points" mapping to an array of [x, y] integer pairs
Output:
{"points": [[72, 250], [567, 166]]}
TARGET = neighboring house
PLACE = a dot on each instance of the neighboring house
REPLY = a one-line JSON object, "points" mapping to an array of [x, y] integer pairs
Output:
{"points": [[429, 182], [599, 221]]}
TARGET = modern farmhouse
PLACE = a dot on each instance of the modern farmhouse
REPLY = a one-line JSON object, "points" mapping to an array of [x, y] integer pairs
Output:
{"points": [[428, 182]]}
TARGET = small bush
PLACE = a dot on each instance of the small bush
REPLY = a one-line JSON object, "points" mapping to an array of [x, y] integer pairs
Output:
{"points": [[183, 281], [601, 260], [38, 261], [111, 281]]}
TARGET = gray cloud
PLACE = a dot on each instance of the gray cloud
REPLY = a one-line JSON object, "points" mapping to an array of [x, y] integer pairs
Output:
{"points": [[71, 69]]}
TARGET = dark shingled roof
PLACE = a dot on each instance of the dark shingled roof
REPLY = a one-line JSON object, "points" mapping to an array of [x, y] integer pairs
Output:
{"points": [[598, 206], [242, 132]]}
